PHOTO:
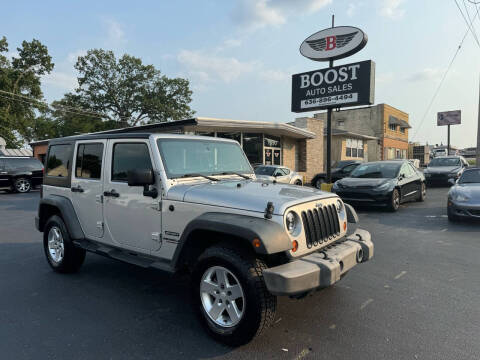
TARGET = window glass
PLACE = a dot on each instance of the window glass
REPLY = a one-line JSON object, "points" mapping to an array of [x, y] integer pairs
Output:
{"points": [[58, 162], [271, 141], [393, 127], [205, 133], [286, 171], [470, 176], [377, 170], [2, 164], [207, 157], [23, 163], [348, 169], [229, 135], [253, 147], [128, 157], [445, 162], [264, 170], [89, 161], [407, 170]]}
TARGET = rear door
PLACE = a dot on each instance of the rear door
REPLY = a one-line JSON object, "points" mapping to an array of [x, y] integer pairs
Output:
{"points": [[87, 186]]}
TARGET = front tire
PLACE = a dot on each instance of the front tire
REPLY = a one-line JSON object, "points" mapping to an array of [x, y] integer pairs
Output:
{"points": [[423, 193], [298, 182], [62, 255], [394, 200], [230, 296], [22, 185]]}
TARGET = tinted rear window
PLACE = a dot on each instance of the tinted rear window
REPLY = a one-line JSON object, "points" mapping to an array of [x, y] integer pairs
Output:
{"points": [[58, 161], [23, 163], [89, 161]]}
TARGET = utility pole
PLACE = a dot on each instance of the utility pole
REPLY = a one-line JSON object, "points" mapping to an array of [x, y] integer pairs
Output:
{"points": [[329, 130], [478, 129], [448, 141]]}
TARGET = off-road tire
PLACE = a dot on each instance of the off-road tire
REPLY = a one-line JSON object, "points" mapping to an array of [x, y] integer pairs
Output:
{"points": [[423, 193], [260, 305], [18, 182], [73, 257], [394, 203]]}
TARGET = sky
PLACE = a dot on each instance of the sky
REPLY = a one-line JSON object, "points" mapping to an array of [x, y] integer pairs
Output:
{"points": [[239, 55]]}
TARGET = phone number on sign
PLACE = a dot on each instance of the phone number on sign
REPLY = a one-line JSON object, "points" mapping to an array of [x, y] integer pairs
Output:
{"points": [[329, 100]]}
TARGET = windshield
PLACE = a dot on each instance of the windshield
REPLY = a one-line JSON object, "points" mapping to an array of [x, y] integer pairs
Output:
{"points": [[445, 162], [377, 170], [188, 156], [340, 164], [470, 176], [265, 170]]}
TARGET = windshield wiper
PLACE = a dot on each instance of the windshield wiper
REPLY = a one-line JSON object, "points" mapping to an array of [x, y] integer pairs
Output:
{"points": [[199, 175], [233, 173]]}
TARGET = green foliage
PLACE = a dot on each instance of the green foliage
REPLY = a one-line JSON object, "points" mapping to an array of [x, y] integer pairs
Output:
{"points": [[126, 92], [21, 76]]}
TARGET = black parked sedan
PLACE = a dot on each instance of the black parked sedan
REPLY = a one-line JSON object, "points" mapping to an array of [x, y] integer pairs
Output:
{"points": [[444, 170], [340, 170], [387, 183], [464, 196]]}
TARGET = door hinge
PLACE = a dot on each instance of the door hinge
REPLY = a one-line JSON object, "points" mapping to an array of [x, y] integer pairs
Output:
{"points": [[157, 206], [157, 237], [99, 199], [100, 225]]}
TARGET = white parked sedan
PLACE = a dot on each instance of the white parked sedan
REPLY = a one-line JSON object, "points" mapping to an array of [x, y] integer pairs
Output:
{"points": [[278, 173]]}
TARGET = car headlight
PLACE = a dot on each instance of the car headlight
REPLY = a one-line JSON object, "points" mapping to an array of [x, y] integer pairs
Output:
{"points": [[460, 197], [291, 221], [385, 186], [455, 173], [339, 205]]}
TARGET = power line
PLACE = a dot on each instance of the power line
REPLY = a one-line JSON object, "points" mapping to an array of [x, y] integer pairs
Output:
{"points": [[443, 79], [468, 24], [472, 27]]}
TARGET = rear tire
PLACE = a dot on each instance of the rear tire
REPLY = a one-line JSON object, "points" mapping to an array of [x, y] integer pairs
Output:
{"points": [[394, 200], [318, 183], [22, 185], [423, 193], [62, 255], [298, 182], [254, 309]]}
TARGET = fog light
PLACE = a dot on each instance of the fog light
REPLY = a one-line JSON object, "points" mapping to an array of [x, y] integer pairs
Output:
{"points": [[294, 245]]}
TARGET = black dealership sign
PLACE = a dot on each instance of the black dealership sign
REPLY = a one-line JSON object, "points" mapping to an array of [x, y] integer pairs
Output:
{"points": [[334, 87]]}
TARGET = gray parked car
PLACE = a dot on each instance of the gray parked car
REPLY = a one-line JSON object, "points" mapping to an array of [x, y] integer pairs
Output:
{"points": [[278, 173], [464, 196]]}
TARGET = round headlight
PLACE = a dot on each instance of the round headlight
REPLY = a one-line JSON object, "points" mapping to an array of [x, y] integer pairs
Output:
{"points": [[291, 222], [339, 205]]}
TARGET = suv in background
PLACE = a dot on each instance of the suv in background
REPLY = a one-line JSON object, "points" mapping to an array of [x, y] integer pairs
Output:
{"points": [[340, 170], [193, 203], [20, 174]]}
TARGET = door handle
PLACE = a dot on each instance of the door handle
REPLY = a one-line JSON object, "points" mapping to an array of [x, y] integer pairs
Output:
{"points": [[77, 189], [112, 193]]}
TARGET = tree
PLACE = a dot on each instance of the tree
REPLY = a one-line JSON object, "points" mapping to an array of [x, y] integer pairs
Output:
{"points": [[126, 92], [21, 76]]}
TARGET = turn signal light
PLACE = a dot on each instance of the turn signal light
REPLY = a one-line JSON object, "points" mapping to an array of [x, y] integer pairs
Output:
{"points": [[256, 243], [344, 226], [294, 245]]}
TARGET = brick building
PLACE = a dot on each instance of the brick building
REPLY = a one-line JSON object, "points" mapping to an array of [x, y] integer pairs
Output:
{"points": [[383, 122]]}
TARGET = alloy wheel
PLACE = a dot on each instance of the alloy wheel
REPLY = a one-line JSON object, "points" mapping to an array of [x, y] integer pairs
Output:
{"points": [[222, 296], [56, 246], [22, 185]]}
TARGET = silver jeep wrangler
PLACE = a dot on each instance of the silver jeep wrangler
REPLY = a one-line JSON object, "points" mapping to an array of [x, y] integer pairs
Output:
{"points": [[176, 203]]}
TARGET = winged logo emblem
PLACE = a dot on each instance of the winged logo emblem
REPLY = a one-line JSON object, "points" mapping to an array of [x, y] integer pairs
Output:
{"points": [[331, 42]]}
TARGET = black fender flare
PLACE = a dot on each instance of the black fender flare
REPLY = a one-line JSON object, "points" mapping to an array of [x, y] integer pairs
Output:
{"points": [[273, 237], [69, 216]]}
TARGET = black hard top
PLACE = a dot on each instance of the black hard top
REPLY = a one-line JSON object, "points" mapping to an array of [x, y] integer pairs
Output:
{"points": [[71, 139]]}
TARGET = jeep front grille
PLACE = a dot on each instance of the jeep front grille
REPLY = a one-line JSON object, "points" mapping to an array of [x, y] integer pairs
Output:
{"points": [[320, 224]]}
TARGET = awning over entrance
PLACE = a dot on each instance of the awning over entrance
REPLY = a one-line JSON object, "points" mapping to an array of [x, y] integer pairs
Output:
{"points": [[392, 120]]}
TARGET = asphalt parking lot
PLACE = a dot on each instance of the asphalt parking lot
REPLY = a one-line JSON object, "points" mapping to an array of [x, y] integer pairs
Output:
{"points": [[419, 298]]}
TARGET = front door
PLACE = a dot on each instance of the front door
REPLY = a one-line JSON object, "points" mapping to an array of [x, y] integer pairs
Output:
{"points": [[407, 184], [131, 219], [87, 186]]}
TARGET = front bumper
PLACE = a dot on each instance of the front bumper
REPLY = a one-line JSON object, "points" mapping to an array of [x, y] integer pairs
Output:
{"points": [[464, 209], [439, 178], [322, 268], [364, 196]]}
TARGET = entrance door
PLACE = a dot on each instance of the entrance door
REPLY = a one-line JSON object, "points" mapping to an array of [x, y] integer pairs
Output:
{"points": [[87, 186], [272, 156], [132, 219]]}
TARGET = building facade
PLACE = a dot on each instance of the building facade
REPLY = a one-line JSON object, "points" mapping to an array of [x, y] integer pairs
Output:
{"points": [[384, 122]]}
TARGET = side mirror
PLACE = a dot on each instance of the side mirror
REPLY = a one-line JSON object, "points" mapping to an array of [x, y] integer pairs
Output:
{"points": [[145, 178], [140, 177], [401, 176]]}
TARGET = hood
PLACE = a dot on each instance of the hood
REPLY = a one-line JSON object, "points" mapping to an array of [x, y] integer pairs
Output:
{"points": [[363, 183], [470, 190], [441, 169], [250, 195]]}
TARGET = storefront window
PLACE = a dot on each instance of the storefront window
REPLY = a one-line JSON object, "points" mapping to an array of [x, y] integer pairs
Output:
{"points": [[253, 147], [272, 141], [229, 135]]}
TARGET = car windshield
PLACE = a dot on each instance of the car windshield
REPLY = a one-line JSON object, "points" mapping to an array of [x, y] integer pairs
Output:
{"points": [[182, 157], [470, 176], [340, 164], [377, 170], [445, 162], [265, 170]]}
